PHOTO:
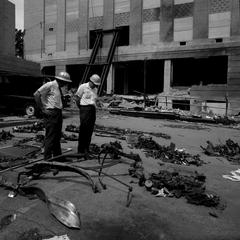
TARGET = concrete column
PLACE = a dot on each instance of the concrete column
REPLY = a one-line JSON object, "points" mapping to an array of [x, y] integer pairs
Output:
{"points": [[200, 19], [110, 86], [168, 70], [83, 20], [2, 19], [235, 18], [125, 83], [135, 34], [166, 20], [60, 68], [108, 21], [61, 25]]}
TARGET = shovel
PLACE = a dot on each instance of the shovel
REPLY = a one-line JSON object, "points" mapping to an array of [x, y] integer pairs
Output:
{"points": [[64, 211]]}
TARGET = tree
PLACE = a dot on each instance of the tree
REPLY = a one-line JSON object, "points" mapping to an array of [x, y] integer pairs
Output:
{"points": [[19, 43]]}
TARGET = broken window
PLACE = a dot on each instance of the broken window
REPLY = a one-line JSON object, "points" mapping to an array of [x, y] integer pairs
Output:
{"points": [[201, 71]]}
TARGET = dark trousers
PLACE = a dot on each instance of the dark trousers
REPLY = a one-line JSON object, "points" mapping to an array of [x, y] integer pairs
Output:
{"points": [[53, 132], [87, 121]]}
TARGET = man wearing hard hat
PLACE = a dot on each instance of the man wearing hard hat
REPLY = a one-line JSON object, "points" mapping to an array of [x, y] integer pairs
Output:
{"points": [[49, 100], [86, 97]]}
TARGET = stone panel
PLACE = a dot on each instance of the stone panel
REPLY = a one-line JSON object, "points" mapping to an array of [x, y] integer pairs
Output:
{"points": [[217, 6], [151, 15], [122, 19], [183, 10]]}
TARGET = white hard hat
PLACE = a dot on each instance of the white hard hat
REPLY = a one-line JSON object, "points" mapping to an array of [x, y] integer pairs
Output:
{"points": [[95, 79], [64, 76]]}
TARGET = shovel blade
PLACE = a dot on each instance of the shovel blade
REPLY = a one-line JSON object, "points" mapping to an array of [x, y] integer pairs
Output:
{"points": [[65, 212]]}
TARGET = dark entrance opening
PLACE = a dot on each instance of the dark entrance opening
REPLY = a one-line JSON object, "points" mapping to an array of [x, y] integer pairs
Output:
{"points": [[50, 70], [123, 39], [191, 71], [76, 74], [129, 77], [93, 37]]}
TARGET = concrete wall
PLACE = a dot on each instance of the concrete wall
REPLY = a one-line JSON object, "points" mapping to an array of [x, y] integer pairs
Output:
{"points": [[7, 27], [162, 23], [34, 28]]}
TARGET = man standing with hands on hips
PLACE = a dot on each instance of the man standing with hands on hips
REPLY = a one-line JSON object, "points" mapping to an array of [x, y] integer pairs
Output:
{"points": [[86, 97], [49, 99]]}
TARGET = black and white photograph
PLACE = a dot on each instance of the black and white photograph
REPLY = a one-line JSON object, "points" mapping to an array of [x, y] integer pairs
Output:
{"points": [[119, 119]]}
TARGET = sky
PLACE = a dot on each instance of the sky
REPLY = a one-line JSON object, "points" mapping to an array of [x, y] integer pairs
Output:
{"points": [[19, 6]]}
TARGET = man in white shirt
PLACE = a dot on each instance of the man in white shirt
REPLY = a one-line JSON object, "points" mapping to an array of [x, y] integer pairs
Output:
{"points": [[86, 97], [49, 100]]}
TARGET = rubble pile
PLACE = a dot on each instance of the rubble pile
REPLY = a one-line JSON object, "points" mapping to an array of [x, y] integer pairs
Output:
{"points": [[5, 135], [71, 137], [33, 128], [168, 154], [72, 128], [229, 150], [192, 187], [115, 131], [121, 132]]}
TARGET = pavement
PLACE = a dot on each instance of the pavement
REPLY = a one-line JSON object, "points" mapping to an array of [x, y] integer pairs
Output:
{"points": [[105, 215]]}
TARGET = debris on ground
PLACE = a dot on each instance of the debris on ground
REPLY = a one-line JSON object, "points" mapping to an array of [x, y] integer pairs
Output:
{"points": [[33, 128], [235, 176], [71, 137], [168, 154], [63, 237], [174, 184], [186, 126], [230, 150], [31, 234], [17, 154], [116, 132], [5, 135], [6, 220]]}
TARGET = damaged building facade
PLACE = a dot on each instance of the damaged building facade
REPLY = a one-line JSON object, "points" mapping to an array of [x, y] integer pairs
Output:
{"points": [[164, 46]]}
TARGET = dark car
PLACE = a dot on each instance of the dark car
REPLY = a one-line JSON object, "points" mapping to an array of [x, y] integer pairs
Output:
{"points": [[16, 94]]}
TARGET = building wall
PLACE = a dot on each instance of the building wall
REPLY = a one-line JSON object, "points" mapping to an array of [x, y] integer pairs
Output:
{"points": [[8, 62], [60, 28], [7, 26]]}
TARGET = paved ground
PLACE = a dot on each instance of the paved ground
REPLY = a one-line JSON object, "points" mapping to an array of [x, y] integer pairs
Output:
{"points": [[105, 216]]}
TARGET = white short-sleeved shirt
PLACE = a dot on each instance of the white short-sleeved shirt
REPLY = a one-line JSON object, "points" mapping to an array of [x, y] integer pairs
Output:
{"points": [[51, 95], [87, 95]]}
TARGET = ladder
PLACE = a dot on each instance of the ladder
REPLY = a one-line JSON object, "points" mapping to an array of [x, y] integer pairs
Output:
{"points": [[106, 65]]}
